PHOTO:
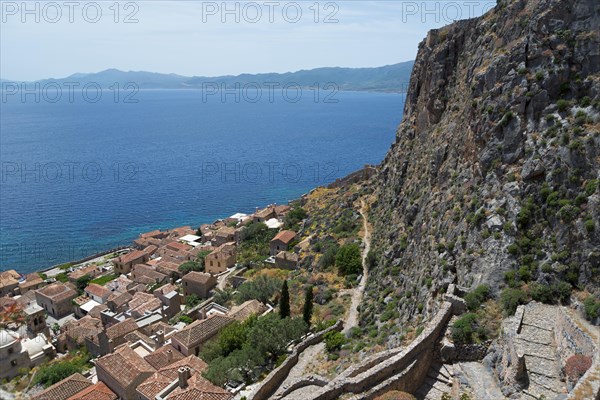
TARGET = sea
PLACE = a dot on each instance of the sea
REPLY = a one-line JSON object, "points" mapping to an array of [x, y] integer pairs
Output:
{"points": [[82, 174]]}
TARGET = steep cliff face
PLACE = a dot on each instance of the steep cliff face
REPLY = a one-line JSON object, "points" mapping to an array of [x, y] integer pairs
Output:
{"points": [[493, 177]]}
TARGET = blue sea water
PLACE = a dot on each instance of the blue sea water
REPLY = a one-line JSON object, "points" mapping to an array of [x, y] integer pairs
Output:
{"points": [[81, 177]]}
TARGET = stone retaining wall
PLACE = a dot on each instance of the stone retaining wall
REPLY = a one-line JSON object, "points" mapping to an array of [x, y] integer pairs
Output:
{"points": [[405, 370], [274, 380]]}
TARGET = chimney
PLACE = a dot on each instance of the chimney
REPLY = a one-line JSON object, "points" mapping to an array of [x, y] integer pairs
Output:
{"points": [[169, 355], [184, 375], [160, 336]]}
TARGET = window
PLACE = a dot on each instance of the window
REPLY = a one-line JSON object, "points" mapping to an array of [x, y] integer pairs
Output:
{"points": [[13, 363]]}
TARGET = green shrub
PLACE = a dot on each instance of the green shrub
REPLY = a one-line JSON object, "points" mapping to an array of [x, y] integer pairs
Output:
{"points": [[349, 260], [589, 225], [511, 298], [463, 328], [477, 296], [591, 307], [562, 105], [334, 341], [185, 319]]}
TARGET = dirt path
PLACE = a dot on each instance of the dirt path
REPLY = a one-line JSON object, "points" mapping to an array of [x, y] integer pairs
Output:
{"points": [[357, 293]]}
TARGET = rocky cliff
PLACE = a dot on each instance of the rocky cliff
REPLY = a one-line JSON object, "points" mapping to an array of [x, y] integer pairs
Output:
{"points": [[493, 177]]}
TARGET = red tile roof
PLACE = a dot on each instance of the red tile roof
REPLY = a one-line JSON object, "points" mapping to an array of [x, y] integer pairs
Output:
{"points": [[124, 365], [285, 236], [160, 358], [163, 377], [198, 277], [129, 257], [200, 389], [64, 389], [179, 246], [97, 392], [200, 331], [58, 292], [121, 328], [96, 290]]}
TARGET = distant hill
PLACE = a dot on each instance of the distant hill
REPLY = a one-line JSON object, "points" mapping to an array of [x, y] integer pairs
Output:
{"points": [[389, 78]]}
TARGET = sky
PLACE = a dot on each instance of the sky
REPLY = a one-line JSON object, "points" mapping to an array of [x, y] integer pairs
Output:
{"points": [[54, 39]]}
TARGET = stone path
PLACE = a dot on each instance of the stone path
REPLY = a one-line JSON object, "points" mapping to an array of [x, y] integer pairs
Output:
{"points": [[479, 379], [536, 341], [357, 295], [310, 356]]}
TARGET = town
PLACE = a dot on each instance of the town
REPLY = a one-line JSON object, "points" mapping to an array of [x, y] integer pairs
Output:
{"points": [[131, 324]]}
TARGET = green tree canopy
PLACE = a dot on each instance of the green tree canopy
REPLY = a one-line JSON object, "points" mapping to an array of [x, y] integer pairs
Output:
{"points": [[348, 259]]}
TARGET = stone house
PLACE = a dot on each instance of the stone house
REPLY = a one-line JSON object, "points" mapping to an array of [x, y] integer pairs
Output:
{"points": [[224, 257], [123, 370], [167, 376], [189, 340], [91, 271], [114, 335], [97, 292], [56, 299], [223, 235], [17, 353], [286, 260], [198, 283], [124, 263], [9, 281], [32, 282], [282, 241]]}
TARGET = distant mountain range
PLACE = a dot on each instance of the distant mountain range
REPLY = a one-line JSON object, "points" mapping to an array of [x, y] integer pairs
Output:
{"points": [[389, 78]]}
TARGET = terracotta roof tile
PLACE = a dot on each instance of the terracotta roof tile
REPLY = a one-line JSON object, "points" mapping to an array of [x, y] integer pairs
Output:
{"points": [[58, 292], [161, 358], [200, 331], [99, 391], [121, 328], [285, 236], [198, 277], [64, 389], [96, 290], [129, 257], [124, 365], [246, 309]]}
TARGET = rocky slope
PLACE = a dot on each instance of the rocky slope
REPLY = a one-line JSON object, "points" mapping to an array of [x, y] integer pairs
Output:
{"points": [[493, 177]]}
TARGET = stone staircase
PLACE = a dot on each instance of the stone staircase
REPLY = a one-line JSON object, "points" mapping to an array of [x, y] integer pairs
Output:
{"points": [[439, 380], [536, 341]]}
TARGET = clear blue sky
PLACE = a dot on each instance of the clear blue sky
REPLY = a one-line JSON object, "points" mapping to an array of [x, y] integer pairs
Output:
{"points": [[199, 38]]}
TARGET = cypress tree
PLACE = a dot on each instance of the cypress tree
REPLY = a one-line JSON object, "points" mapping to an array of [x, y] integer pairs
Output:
{"points": [[308, 305], [284, 301]]}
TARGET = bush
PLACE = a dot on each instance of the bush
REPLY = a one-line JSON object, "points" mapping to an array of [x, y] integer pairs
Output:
{"points": [[334, 341], [589, 225], [192, 301], [185, 319], [52, 373], [328, 258], [463, 328], [576, 366], [562, 105], [348, 259], [591, 307], [190, 266], [294, 217], [262, 288], [511, 298], [477, 296]]}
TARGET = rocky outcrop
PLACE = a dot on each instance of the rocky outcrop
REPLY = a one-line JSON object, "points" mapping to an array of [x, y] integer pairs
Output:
{"points": [[495, 167]]}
